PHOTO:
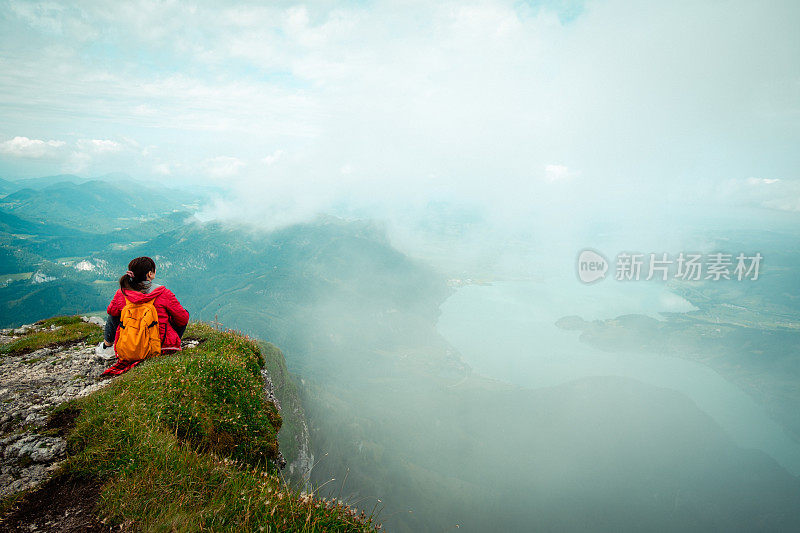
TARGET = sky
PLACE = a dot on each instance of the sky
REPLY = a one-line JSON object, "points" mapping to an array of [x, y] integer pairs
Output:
{"points": [[518, 108]]}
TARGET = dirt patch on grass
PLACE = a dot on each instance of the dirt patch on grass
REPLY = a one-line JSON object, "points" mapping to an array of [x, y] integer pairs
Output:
{"points": [[63, 420], [62, 504]]}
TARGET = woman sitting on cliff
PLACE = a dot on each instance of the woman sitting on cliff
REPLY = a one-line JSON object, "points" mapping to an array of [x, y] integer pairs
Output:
{"points": [[131, 327]]}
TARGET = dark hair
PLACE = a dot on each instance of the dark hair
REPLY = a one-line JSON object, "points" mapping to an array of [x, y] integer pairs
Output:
{"points": [[139, 267]]}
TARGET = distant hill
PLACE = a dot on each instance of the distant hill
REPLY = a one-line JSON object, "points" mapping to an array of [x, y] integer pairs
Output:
{"points": [[25, 302], [389, 401], [42, 182], [10, 223], [94, 206], [46, 181], [7, 186], [14, 260], [25, 244]]}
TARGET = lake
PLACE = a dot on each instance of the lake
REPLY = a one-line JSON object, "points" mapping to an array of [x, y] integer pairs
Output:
{"points": [[507, 331]]}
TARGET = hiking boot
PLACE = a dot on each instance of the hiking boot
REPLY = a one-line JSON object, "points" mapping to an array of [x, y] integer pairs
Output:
{"points": [[105, 352]]}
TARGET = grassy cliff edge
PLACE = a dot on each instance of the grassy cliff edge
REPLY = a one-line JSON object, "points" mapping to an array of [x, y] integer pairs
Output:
{"points": [[186, 442]]}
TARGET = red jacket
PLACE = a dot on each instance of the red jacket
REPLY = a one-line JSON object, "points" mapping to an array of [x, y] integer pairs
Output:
{"points": [[169, 310]]}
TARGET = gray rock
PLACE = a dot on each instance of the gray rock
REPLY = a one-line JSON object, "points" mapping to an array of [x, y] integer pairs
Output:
{"points": [[94, 320], [28, 394]]}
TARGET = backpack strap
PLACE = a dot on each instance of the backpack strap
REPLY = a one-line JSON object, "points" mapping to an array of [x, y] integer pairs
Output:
{"points": [[127, 302]]}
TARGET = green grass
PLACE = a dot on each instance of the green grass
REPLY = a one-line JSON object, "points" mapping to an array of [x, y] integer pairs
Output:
{"points": [[72, 329], [16, 277], [183, 443]]}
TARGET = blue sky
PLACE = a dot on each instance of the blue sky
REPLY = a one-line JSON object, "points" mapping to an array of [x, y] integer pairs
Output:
{"points": [[504, 104]]}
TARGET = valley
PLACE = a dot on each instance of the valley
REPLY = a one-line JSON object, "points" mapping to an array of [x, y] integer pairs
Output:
{"points": [[395, 411]]}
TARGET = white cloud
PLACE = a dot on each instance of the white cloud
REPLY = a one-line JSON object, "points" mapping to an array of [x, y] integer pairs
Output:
{"points": [[762, 181], [77, 162], [99, 146], [273, 157], [784, 203], [145, 110], [773, 193], [556, 172], [162, 169], [43, 16], [88, 151], [223, 167], [770, 193], [460, 100], [30, 148]]}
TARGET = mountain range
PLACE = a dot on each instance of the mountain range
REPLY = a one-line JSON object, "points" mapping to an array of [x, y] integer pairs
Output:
{"points": [[393, 411]]}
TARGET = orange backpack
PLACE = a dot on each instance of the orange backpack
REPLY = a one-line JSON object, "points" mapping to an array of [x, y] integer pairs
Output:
{"points": [[138, 332]]}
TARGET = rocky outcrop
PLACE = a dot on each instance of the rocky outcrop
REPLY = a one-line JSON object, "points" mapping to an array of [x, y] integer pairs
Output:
{"points": [[269, 395], [282, 390], [300, 467], [31, 386]]}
